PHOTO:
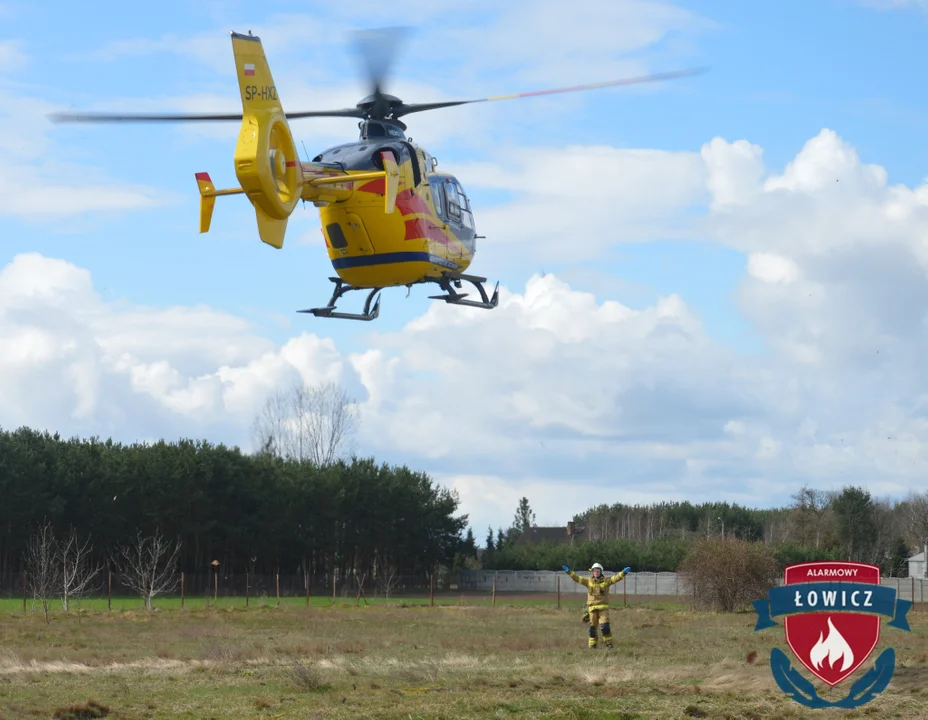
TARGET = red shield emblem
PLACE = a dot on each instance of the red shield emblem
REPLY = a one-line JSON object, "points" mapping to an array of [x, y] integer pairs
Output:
{"points": [[831, 644]]}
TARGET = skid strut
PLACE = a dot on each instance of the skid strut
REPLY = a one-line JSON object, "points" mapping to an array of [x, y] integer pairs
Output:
{"points": [[447, 281], [452, 297], [341, 287]]}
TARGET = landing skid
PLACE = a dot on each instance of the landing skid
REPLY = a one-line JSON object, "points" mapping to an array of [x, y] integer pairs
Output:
{"points": [[341, 287], [447, 282], [455, 298]]}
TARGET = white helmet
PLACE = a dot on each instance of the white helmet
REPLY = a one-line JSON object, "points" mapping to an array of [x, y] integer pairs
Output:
{"points": [[597, 566]]}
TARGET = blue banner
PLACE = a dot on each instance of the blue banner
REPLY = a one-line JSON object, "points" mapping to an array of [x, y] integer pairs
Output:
{"points": [[802, 598]]}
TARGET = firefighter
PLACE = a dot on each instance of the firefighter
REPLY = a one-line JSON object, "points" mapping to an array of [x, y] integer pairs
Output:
{"points": [[597, 599]]}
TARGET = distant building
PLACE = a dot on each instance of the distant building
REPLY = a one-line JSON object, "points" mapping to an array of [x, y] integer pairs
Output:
{"points": [[558, 535], [918, 567]]}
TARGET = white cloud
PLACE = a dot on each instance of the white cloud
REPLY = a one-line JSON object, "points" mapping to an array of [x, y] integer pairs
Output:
{"points": [[38, 181], [770, 268], [893, 4], [625, 195], [12, 54]]}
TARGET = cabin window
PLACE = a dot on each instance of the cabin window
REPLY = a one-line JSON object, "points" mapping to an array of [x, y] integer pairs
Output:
{"points": [[414, 161], [438, 198], [453, 204], [467, 218], [336, 236]]}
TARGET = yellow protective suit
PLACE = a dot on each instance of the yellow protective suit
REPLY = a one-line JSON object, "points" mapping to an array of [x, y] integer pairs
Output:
{"points": [[597, 601]]}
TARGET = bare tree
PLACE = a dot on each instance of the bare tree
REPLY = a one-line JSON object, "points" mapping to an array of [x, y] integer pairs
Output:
{"points": [[148, 566], [388, 580], [42, 565], [309, 424], [914, 519], [811, 507], [270, 429], [77, 572]]}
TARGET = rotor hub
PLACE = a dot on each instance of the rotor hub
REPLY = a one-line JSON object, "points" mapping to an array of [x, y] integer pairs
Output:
{"points": [[278, 163], [379, 106]]}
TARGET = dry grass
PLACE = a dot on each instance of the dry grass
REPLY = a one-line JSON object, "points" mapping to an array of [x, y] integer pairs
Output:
{"points": [[416, 662]]}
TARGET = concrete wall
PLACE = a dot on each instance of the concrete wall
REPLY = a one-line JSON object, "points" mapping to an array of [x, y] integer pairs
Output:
{"points": [[643, 583]]}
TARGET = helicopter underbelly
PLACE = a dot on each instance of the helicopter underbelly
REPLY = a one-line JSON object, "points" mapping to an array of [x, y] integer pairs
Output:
{"points": [[368, 248]]}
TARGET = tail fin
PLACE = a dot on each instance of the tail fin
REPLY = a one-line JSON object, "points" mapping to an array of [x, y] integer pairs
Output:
{"points": [[254, 75], [266, 159]]}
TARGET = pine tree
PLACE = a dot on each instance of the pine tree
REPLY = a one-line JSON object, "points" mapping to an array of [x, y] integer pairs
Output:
{"points": [[525, 518]]}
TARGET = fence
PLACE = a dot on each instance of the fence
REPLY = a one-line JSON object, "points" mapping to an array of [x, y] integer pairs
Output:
{"points": [[260, 585], [270, 585], [641, 583]]}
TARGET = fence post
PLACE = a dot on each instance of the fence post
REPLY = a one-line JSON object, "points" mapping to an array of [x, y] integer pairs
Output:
{"points": [[494, 589], [558, 592], [277, 586], [181, 591], [432, 589], [246, 588]]}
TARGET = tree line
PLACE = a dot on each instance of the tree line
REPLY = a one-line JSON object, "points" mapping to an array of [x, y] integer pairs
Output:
{"points": [[261, 513], [848, 524]]}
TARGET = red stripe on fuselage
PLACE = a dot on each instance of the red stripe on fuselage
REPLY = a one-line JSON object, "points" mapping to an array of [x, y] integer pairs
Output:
{"points": [[409, 204], [406, 202], [378, 186], [425, 228]]}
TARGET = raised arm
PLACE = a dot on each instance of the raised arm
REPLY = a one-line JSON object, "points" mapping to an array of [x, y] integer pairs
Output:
{"points": [[576, 578], [619, 576]]}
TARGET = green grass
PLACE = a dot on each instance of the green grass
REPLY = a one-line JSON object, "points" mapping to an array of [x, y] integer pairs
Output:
{"points": [[405, 659], [123, 603], [174, 603]]}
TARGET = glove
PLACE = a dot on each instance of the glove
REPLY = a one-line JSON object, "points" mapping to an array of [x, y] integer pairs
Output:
{"points": [[626, 571], [565, 568]]}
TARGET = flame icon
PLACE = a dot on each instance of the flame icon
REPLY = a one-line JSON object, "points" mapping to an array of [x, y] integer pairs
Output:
{"points": [[834, 647]]}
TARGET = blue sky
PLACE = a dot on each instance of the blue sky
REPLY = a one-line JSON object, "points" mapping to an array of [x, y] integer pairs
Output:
{"points": [[780, 74]]}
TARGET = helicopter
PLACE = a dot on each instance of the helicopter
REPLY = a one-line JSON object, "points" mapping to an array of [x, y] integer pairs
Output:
{"points": [[389, 218]]}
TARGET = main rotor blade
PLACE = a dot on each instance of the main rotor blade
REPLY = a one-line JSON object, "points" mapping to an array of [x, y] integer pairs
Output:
{"points": [[422, 107], [115, 117], [377, 51]]}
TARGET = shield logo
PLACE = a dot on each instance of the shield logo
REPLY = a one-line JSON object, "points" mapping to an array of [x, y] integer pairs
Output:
{"points": [[831, 640]]}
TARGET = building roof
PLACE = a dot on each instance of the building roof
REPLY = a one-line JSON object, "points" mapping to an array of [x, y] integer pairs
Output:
{"points": [[918, 558], [559, 534]]}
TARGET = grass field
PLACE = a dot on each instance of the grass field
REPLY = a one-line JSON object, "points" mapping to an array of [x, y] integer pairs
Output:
{"points": [[405, 659]]}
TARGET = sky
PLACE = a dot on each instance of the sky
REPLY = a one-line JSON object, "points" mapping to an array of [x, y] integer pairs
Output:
{"points": [[712, 288]]}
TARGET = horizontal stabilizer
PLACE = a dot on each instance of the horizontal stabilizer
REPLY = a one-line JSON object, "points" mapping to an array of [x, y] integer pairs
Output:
{"points": [[207, 200]]}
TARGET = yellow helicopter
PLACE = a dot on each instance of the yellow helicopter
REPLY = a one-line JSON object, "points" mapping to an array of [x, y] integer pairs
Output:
{"points": [[389, 218]]}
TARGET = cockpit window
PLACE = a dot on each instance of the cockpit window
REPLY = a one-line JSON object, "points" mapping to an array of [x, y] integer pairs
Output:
{"points": [[438, 197], [453, 203], [460, 211]]}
